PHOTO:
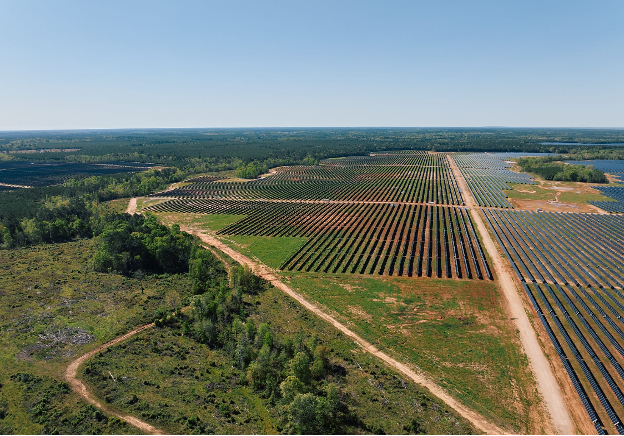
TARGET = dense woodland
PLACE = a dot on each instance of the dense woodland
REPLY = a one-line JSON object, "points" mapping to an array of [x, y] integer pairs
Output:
{"points": [[550, 168], [230, 148], [74, 209]]}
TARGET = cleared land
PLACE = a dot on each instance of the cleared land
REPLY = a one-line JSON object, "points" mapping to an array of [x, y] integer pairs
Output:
{"points": [[54, 307]]}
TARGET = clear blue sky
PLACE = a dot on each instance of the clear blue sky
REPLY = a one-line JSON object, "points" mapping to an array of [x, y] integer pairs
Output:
{"points": [[116, 64]]}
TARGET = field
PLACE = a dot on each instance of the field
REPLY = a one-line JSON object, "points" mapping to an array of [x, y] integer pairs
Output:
{"points": [[376, 235], [488, 176], [410, 240], [556, 196], [570, 266], [456, 331], [382, 241], [413, 177], [202, 391], [612, 192], [53, 307]]}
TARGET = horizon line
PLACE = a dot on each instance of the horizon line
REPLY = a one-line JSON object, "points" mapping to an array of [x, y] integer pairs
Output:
{"points": [[303, 127]]}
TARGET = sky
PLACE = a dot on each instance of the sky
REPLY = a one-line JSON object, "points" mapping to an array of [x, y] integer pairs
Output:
{"points": [[129, 64]]}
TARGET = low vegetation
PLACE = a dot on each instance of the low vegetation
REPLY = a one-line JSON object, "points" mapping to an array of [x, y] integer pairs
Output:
{"points": [[246, 359], [457, 332], [53, 308]]}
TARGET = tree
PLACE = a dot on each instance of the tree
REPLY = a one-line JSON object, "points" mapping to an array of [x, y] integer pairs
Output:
{"points": [[290, 388], [300, 367], [302, 413], [321, 361], [173, 300]]}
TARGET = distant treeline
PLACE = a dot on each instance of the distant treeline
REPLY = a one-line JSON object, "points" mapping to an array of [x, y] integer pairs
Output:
{"points": [[231, 148], [548, 168], [595, 153]]}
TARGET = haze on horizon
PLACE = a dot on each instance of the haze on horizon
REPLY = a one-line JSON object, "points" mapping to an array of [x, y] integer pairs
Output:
{"points": [[156, 64]]}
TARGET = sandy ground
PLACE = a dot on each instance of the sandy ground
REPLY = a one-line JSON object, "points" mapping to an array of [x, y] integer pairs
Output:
{"points": [[547, 384], [476, 419], [79, 387], [550, 206], [14, 186], [132, 206]]}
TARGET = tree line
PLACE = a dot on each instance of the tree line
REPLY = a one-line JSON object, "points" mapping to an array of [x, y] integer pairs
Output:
{"points": [[550, 168]]}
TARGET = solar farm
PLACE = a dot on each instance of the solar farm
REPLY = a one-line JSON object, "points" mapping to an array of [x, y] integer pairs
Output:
{"points": [[15, 174], [403, 214]]}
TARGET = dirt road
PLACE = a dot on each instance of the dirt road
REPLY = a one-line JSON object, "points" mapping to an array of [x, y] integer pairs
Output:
{"points": [[132, 206], [476, 419], [80, 388], [547, 384]]}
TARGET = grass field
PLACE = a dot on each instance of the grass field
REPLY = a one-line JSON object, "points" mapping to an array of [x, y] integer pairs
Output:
{"points": [[455, 331], [169, 380], [271, 251], [53, 307]]}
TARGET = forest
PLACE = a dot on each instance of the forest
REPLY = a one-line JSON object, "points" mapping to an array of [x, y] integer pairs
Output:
{"points": [[550, 168]]}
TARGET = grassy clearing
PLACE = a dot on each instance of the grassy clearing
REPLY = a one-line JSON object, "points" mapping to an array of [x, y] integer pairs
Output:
{"points": [[578, 193], [185, 387], [456, 331], [581, 197], [216, 222], [212, 222], [530, 192], [54, 307], [269, 250], [119, 206]]}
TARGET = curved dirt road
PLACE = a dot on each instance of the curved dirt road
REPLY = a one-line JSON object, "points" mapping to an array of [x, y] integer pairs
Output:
{"points": [[476, 419], [80, 388], [546, 382]]}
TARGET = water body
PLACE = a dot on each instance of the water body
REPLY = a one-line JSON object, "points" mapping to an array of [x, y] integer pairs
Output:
{"points": [[578, 143]]}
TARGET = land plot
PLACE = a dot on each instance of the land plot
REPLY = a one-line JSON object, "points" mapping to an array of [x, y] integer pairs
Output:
{"points": [[571, 271], [183, 386], [488, 177], [53, 307], [376, 182], [456, 332], [54, 173], [383, 239], [556, 196]]}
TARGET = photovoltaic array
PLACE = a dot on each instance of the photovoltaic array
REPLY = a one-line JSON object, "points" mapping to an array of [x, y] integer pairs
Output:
{"points": [[570, 266], [401, 214], [487, 176], [384, 238], [418, 177], [614, 192]]}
